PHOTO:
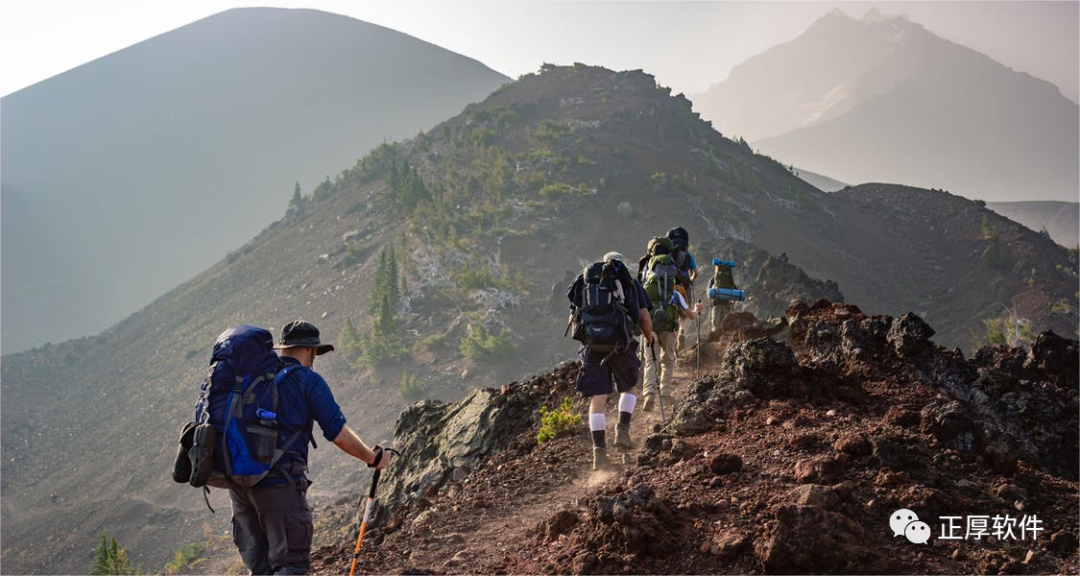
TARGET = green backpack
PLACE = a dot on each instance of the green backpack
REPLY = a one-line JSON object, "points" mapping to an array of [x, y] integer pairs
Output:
{"points": [[660, 277], [722, 277]]}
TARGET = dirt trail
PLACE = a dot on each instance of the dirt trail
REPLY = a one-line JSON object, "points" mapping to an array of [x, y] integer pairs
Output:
{"points": [[480, 525]]}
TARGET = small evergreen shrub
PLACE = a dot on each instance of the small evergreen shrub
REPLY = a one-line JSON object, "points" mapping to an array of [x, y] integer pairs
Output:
{"points": [[410, 387], [184, 557], [557, 422], [480, 344]]}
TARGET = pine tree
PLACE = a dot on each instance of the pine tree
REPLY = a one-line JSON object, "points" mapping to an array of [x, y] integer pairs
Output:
{"points": [[349, 341], [386, 282], [111, 559], [297, 200]]}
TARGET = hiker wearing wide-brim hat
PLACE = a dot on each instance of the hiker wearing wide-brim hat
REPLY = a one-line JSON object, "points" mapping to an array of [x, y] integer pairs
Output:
{"points": [[300, 334], [272, 521]]}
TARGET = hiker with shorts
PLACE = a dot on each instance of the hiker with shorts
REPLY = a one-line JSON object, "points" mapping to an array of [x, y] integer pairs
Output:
{"points": [[608, 309], [272, 524]]}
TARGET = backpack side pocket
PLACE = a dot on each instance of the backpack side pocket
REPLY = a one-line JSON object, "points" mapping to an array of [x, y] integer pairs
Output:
{"points": [[202, 454], [182, 463]]}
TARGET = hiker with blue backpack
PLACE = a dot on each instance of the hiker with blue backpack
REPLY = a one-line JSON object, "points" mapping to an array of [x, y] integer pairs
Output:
{"points": [[723, 293], [688, 271], [608, 310], [253, 423]]}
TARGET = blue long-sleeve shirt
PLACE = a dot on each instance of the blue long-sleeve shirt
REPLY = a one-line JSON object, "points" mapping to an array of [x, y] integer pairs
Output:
{"points": [[305, 398]]}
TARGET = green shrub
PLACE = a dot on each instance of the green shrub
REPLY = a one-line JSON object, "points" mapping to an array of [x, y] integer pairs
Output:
{"points": [[561, 189], [477, 274], [557, 422], [323, 190], [1004, 330], [547, 131], [349, 340], [185, 556], [1062, 306], [410, 387], [111, 559], [434, 341], [480, 344], [378, 349]]}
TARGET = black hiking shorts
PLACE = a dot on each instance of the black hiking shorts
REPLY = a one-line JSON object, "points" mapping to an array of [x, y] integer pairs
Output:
{"points": [[621, 372]]}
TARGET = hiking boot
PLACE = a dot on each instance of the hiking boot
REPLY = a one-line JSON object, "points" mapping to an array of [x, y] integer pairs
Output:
{"points": [[650, 403], [622, 436], [599, 459]]}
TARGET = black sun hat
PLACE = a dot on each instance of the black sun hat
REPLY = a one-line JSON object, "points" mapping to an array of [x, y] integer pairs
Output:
{"points": [[305, 334]]}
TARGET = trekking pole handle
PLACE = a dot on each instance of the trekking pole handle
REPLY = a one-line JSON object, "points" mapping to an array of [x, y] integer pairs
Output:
{"points": [[378, 458], [378, 452], [374, 484]]}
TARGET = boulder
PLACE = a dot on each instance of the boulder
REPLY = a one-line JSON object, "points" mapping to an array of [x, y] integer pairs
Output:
{"points": [[854, 444], [807, 539], [820, 469], [909, 336], [723, 463]]}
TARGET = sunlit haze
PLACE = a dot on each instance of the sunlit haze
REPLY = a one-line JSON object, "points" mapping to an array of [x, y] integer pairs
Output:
{"points": [[686, 45]]}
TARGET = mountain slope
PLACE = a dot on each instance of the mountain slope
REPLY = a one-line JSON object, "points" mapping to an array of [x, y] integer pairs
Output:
{"points": [[489, 215], [1061, 220], [884, 100], [156, 161]]}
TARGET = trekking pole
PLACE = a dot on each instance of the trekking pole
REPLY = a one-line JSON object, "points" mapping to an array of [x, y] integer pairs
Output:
{"points": [[367, 513], [697, 351], [656, 371]]}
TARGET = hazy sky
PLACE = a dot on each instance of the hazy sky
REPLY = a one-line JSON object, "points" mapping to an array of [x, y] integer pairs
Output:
{"points": [[686, 45]]}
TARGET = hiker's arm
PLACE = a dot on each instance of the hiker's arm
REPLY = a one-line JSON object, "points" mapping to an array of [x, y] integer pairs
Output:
{"points": [[645, 322], [692, 313], [351, 443]]}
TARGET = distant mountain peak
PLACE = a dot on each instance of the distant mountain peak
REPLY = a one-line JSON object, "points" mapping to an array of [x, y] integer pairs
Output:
{"points": [[882, 81], [874, 16]]}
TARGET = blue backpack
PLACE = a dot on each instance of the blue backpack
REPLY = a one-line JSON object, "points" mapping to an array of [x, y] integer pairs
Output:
{"points": [[234, 437]]}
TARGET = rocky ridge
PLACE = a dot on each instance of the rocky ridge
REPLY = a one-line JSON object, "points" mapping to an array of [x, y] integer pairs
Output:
{"points": [[781, 458]]}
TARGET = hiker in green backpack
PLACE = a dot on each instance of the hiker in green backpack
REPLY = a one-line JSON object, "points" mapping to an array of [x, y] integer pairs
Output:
{"points": [[660, 280]]}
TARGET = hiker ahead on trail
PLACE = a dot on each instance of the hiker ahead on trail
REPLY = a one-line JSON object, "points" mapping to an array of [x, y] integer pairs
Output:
{"points": [[253, 422], [721, 302], [688, 270], [608, 309], [686, 267], [669, 307]]}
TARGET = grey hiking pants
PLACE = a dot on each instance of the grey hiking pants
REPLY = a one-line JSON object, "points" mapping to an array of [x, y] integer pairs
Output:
{"points": [[272, 528]]}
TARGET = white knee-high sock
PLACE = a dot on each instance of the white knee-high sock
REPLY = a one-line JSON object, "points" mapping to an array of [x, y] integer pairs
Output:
{"points": [[597, 425]]}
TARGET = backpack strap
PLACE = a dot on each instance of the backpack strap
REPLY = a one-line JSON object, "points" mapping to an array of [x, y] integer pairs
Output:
{"points": [[202, 412], [234, 401], [278, 453]]}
